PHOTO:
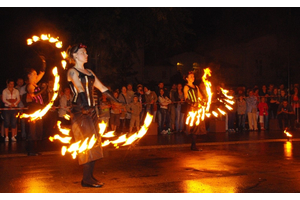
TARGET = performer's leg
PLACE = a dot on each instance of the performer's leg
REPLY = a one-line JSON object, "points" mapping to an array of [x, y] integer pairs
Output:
{"points": [[88, 180]]}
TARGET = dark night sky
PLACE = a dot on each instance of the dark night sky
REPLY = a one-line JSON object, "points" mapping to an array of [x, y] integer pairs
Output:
{"points": [[227, 25]]}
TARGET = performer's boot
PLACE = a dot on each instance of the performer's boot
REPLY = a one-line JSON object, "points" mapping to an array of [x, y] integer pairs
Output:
{"points": [[193, 145], [88, 180]]}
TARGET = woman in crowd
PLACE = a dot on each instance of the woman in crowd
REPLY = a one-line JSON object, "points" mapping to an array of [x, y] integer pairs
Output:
{"points": [[84, 117], [179, 113], [34, 102], [274, 103], [125, 116], [163, 101]]}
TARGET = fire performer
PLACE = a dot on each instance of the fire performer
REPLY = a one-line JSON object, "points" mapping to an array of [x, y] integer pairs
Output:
{"points": [[84, 121], [191, 96], [34, 101]]}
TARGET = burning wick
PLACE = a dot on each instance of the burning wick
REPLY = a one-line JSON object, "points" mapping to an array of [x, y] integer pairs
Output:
{"points": [[288, 134]]}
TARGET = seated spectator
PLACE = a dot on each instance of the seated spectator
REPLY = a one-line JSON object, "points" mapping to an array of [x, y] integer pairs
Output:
{"points": [[286, 113], [11, 99]]}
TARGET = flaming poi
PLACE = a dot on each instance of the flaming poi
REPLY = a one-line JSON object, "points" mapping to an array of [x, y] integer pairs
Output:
{"points": [[204, 107], [81, 146]]}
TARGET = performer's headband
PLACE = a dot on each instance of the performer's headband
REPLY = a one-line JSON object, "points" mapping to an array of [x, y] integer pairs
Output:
{"points": [[79, 47]]}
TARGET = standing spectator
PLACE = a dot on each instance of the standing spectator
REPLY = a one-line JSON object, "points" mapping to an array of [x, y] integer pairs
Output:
{"points": [[161, 85], [130, 92], [150, 100], [50, 119], [135, 109], [263, 114], [172, 106], [282, 96], [251, 101], [241, 112], [179, 113], [11, 99], [141, 100], [286, 113], [65, 106], [295, 103], [263, 91], [125, 99], [21, 88], [104, 107], [274, 103], [231, 115], [164, 101], [115, 113]]}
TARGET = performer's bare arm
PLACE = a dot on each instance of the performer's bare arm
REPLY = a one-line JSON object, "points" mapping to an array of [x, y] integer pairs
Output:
{"points": [[42, 72], [73, 76], [98, 83], [185, 92]]}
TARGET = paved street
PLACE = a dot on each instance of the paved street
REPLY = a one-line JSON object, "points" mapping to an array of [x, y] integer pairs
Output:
{"points": [[251, 162]]}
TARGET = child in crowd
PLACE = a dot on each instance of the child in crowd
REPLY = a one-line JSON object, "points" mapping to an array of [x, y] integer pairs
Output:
{"points": [[241, 111], [135, 109], [263, 113]]}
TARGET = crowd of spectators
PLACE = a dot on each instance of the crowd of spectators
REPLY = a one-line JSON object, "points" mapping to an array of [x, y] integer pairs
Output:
{"points": [[254, 109]]}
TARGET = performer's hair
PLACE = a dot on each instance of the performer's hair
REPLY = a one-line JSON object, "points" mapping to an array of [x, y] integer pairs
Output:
{"points": [[187, 74], [29, 70], [73, 49]]}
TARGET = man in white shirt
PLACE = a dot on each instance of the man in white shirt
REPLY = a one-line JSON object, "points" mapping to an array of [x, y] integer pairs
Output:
{"points": [[11, 99]]}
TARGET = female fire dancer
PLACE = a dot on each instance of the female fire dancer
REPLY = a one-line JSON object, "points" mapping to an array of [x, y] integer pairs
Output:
{"points": [[34, 101], [191, 95], [83, 113]]}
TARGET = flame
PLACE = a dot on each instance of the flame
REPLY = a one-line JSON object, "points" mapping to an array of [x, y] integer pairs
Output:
{"points": [[29, 41], [109, 134], [35, 38], [64, 64], [207, 84], [53, 40], [67, 117], [64, 54], [287, 133], [64, 131], [44, 37], [215, 114], [102, 127], [228, 107], [58, 44], [65, 140], [221, 111], [225, 93]]}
